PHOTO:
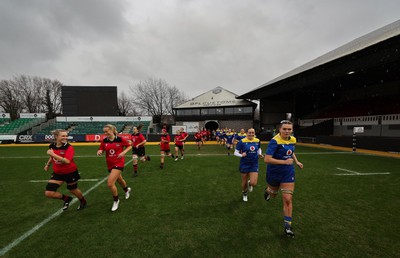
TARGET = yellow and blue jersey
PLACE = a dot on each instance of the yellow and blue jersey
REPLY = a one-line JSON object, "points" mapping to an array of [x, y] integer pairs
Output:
{"points": [[249, 163], [229, 137], [240, 136], [281, 149]]}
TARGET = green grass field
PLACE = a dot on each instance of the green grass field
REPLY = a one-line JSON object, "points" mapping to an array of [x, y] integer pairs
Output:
{"points": [[193, 208]]}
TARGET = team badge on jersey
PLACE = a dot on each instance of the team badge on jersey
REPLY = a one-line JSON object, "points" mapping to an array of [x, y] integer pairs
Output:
{"points": [[252, 148], [289, 152]]}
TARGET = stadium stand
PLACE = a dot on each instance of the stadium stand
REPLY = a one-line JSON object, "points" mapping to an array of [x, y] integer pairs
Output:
{"points": [[19, 125]]}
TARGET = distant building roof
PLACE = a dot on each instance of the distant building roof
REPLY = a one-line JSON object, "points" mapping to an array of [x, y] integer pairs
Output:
{"points": [[389, 31], [217, 97]]}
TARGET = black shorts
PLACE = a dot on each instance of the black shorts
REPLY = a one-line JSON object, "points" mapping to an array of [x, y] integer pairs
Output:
{"points": [[116, 167], [166, 151], [198, 140], [68, 178], [139, 152], [179, 146]]}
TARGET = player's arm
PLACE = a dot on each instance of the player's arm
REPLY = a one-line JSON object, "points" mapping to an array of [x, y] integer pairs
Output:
{"points": [[101, 149], [47, 164], [299, 164]]}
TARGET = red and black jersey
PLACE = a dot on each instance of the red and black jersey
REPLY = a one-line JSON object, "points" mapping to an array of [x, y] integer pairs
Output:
{"points": [[198, 136], [165, 139], [184, 135], [178, 139], [65, 151], [113, 149], [137, 139]]}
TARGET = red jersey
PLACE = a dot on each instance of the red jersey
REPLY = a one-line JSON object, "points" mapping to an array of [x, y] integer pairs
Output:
{"points": [[184, 135], [113, 149], [178, 140], [198, 136], [65, 151], [164, 144], [137, 139]]}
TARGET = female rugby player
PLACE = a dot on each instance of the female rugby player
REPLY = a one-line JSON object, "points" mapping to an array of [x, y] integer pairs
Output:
{"points": [[198, 138], [249, 150], [178, 139], [114, 145], [64, 170], [279, 158], [138, 150], [164, 147]]}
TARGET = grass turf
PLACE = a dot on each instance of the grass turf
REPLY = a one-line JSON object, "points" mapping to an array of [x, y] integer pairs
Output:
{"points": [[193, 208]]}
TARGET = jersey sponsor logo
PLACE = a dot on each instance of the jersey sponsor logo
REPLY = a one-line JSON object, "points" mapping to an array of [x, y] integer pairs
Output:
{"points": [[111, 151]]}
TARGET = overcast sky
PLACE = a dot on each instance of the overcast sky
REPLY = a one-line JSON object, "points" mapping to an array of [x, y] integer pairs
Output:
{"points": [[195, 45]]}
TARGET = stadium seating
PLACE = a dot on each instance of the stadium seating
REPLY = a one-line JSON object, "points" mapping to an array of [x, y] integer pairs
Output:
{"points": [[19, 125]]}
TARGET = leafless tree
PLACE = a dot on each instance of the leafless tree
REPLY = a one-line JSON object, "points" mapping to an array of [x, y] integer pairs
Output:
{"points": [[10, 99], [30, 94], [156, 97], [125, 106]]}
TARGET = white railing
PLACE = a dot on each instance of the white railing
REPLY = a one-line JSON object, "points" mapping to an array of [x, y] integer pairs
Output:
{"points": [[392, 119]]}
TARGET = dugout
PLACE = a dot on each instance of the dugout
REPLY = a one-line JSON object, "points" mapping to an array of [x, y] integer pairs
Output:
{"points": [[358, 79]]}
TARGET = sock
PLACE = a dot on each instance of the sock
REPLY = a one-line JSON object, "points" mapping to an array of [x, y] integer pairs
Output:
{"points": [[65, 197], [172, 155], [126, 189], [162, 164], [287, 221], [244, 193], [115, 198], [135, 168], [83, 200]]}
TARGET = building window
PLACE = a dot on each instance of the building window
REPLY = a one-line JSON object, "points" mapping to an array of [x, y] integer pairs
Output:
{"points": [[179, 112], [204, 111], [211, 111], [229, 111], [195, 112], [219, 111]]}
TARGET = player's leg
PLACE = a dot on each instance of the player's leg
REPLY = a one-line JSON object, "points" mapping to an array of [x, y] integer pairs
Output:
{"points": [[253, 179], [162, 159], [112, 178], [121, 181], [244, 177], [135, 164], [287, 197], [176, 153], [73, 188]]}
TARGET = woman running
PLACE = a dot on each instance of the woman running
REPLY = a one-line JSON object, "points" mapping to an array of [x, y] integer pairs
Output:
{"points": [[198, 138], [249, 150], [178, 145], [114, 145], [64, 170], [138, 150], [164, 147], [280, 170]]}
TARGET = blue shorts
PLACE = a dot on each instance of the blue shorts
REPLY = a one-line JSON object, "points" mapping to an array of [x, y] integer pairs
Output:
{"points": [[276, 178], [246, 168]]}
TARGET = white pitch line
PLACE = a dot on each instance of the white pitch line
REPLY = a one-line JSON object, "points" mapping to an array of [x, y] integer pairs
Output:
{"points": [[80, 180], [194, 154], [354, 173], [364, 174], [28, 233]]}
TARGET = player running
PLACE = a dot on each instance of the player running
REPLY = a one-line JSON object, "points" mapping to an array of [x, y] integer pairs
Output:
{"points": [[249, 150], [64, 170], [230, 135], [138, 150], [178, 145], [198, 138], [114, 146], [279, 158], [164, 147]]}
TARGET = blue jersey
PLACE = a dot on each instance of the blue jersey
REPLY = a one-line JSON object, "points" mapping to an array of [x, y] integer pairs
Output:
{"points": [[249, 163], [281, 149], [240, 136], [230, 137]]}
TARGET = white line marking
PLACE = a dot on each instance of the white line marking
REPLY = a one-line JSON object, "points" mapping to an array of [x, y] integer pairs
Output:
{"points": [[28, 233], [198, 154], [80, 180], [350, 171], [354, 173], [364, 174]]}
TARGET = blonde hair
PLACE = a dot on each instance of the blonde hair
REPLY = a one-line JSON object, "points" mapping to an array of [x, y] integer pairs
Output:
{"points": [[112, 128], [57, 132]]}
